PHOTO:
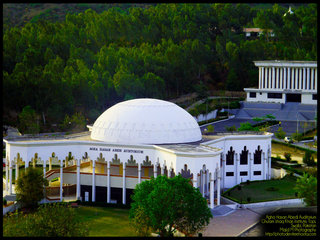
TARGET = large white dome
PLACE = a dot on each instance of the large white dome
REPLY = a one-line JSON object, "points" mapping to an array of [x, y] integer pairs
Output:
{"points": [[146, 121]]}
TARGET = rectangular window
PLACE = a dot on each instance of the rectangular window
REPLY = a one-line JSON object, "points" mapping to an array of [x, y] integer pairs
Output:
{"points": [[253, 95], [229, 174], [256, 173], [243, 173], [275, 95], [314, 96]]}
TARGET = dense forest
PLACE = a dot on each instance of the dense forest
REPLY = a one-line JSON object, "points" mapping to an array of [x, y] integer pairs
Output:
{"points": [[58, 72]]}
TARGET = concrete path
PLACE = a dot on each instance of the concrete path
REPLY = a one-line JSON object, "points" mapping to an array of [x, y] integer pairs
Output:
{"points": [[239, 221], [231, 225]]}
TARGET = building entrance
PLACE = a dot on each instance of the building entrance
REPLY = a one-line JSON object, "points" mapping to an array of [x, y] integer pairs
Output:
{"points": [[293, 97]]}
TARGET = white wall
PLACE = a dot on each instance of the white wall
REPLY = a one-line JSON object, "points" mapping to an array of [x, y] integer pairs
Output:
{"points": [[237, 143]]}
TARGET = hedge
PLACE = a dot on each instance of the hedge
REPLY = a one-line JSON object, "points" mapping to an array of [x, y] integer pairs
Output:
{"points": [[103, 204]]}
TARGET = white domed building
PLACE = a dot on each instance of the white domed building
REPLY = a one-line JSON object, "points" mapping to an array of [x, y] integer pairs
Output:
{"points": [[133, 141]]}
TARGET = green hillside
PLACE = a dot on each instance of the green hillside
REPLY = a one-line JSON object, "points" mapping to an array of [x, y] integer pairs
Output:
{"points": [[63, 64]]}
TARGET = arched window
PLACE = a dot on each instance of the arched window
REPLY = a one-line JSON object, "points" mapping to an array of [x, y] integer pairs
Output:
{"points": [[230, 157], [244, 156], [257, 156]]}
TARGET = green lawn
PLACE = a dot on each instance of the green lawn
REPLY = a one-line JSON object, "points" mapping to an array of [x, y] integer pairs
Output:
{"points": [[106, 222], [262, 190]]}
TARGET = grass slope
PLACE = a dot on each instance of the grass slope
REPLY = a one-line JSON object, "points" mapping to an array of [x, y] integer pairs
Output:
{"points": [[261, 190], [107, 222]]}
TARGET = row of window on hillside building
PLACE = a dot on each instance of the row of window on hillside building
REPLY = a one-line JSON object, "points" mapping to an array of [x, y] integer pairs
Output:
{"points": [[243, 173], [244, 156]]}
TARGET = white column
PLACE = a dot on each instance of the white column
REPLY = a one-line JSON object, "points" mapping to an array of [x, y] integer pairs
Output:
{"points": [[300, 78], [269, 78], [312, 79], [273, 78], [237, 167], [249, 165], [265, 77], [262, 77], [223, 170], [263, 166], [108, 183], [277, 84], [285, 85], [50, 163], [202, 183], [10, 177], [93, 180], [194, 180], [17, 170], [269, 165], [78, 179], [315, 78], [211, 190], [293, 86], [308, 78], [124, 184], [162, 170], [304, 84], [7, 175], [218, 185], [297, 78], [155, 170], [207, 182], [289, 86], [281, 78], [44, 167], [139, 172], [61, 179]]}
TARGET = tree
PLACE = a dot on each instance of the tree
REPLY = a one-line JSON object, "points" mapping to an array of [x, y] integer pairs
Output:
{"points": [[28, 121], [287, 156], [29, 187], [50, 220], [165, 204], [280, 134], [306, 187], [231, 128], [296, 136], [247, 127], [309, 159], [75, 123], [210, 128]]}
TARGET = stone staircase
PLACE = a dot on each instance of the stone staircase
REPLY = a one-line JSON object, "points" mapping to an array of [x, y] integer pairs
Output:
{"points": [[284, 112]]}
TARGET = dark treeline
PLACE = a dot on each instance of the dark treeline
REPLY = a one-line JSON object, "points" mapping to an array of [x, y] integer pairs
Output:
{"points": [[90, 60]]}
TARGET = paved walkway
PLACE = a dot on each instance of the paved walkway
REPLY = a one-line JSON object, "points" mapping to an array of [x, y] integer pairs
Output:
{"points": [[238, 222]]}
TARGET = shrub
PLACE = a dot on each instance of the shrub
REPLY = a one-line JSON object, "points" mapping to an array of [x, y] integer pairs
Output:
{"points": [[50, 220], [248, 199], [306, 187], [231, 128], [309, 159], [239, 187], [296, 136], [280, 134], [248, 182], [287, 156], [210, 128], [4, 201]]}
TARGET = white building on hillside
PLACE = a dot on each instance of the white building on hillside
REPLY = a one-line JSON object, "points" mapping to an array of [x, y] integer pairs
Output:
{"points": [[285, 81], [135, 140]]}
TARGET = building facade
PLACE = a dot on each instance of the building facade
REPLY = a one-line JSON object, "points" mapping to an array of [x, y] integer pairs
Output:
{"points": [[125, 146], [285, 81]]}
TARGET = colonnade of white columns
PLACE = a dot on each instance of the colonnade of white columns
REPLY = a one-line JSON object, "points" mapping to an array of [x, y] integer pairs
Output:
{"points": [[205, 179], [294, 78]]}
